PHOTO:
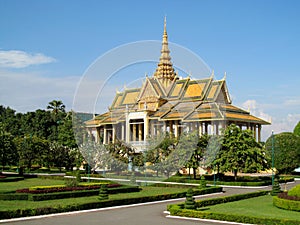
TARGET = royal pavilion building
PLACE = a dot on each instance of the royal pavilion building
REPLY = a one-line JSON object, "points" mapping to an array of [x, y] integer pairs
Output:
{"points": [[167, 103]]}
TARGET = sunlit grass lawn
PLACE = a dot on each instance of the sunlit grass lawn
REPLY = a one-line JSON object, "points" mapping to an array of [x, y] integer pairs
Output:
{"points": [[26, 183], [11, 205], [257, 207]]}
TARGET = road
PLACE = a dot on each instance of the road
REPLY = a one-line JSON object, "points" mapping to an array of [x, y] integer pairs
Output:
{"points": [[149, 214]]}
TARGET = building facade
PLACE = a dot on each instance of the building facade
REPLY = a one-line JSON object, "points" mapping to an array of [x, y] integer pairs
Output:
{"points": [[167, 103]]}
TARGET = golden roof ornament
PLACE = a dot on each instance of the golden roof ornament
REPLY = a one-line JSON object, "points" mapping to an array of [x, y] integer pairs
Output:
{"points": [[165, 71]]}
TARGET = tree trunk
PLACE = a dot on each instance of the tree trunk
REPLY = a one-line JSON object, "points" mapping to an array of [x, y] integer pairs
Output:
{"points": [[194, 173], [235, 174]]}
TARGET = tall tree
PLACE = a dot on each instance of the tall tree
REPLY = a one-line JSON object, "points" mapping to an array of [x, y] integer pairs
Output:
{"points": [[198, 154], [31, 150], [8, 151], [240, 152], [56, 107], [287, 151]]}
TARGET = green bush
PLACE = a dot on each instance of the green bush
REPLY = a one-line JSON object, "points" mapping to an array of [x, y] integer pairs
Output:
{"points": [[202, 182], [103, 193], [11, 179], [295, 191], [286, 204], [75, 194], [190, 200], [14, 196]]}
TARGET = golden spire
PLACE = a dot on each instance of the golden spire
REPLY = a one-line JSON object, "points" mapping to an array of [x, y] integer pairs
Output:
{"points": [[165, 71]]}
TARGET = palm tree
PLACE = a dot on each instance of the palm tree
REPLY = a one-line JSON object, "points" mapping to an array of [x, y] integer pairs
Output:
{"points": [[56, 106]]}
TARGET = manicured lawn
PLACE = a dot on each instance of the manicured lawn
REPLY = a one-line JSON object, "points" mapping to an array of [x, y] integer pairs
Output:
{"points": [[257, 207], [146, 191], [12, 186]]}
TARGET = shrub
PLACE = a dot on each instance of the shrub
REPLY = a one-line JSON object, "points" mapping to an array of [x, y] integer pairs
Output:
{"points": [[286, 204], [190, 200], [295, 191], [71, 182], [276, 187], [103, 193], [202, 182]]}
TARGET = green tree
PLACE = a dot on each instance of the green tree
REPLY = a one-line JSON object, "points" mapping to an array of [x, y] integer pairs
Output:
{"points": [[8, 151], [31, 149], [287, 151], [65, 132], [159, 149], [198, 154], [119, 152], [240, 152], [297, 129], [56, 107]]}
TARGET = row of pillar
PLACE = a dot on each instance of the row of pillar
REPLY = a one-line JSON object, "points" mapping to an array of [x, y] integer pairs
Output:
{"points": [[140, 131]]}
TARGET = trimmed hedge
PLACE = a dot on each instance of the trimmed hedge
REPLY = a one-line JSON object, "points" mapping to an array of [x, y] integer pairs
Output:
{"points": [[286, 204], [178, 210], [11, 179], [229, 180], [14, 196], [66, 194], [101, 204]]}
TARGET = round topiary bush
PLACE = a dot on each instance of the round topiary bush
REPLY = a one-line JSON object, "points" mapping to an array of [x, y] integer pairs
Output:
{"points": [[295, 191]]}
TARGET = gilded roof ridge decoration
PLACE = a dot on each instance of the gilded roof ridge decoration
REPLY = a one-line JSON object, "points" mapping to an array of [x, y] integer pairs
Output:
{"points": [[143, 89]]}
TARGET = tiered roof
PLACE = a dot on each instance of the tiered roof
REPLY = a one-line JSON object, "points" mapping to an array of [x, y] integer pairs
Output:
{"points": [[166, 97]]}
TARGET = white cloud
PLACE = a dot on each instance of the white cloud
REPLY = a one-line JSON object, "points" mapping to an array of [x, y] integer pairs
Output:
{"points": [[292, 102], [278, 125], [21, 59], [30, 91]]}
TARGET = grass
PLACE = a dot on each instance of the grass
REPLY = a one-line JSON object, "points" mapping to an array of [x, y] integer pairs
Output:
{"points": [[257, 207], [26, 183]]}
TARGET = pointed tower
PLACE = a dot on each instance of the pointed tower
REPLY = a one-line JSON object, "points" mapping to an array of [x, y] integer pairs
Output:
{"points": [[165, 72]]}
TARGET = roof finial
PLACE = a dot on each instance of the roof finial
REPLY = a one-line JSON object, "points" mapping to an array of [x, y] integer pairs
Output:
{"points": [[165, 26], [224, 78], [212, 74]]}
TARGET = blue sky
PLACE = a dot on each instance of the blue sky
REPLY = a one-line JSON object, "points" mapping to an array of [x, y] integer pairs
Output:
{"points": [[46, 46]]}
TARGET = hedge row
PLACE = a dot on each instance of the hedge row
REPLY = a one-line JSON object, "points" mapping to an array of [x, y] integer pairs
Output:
{"points": [[101, 204], [11, 179], [286, 204], [179, 210], [229, 180], [68, 194]]}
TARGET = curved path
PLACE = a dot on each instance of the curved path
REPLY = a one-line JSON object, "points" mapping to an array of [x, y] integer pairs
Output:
{"points": [[140, 214]]}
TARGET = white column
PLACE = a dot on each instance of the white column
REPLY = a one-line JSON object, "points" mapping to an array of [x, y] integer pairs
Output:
{"points": [[146, 128], [200, 129], [104, 135], [259, 133], [123, 132], [176, 133], [113, 133]]}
